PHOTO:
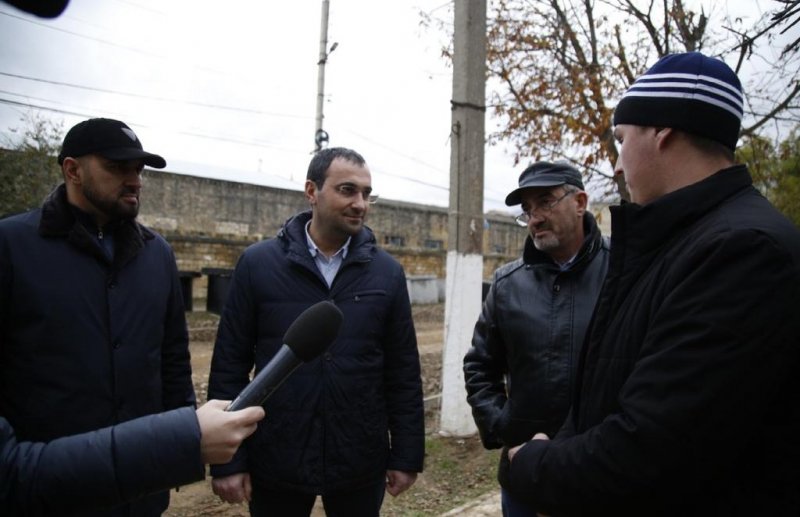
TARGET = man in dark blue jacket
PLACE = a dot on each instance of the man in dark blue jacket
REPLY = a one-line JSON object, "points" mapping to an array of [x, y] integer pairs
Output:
{"points": [[348, 425], [521, 366], [687, 399], [92, 328]]}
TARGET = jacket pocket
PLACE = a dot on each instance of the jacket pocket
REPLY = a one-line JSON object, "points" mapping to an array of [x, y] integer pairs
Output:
{"points": [[366, 313], [367, 295]]}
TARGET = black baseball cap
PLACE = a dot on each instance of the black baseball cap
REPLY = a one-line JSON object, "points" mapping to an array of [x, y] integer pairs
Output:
{"points": [[544, 174], [108, 138]]}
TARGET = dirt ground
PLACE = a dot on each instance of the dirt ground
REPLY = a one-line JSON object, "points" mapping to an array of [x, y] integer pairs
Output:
{"points": [[456, 470]]}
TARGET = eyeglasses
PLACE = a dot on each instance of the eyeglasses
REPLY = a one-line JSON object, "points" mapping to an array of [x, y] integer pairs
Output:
{"points": [[543, 209], [350, 191]]}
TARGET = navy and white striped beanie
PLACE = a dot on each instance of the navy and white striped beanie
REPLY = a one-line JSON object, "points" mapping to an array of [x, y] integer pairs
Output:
{"points": [[691, 92]]}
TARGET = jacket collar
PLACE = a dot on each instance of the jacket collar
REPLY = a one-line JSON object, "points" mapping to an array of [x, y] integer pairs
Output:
{"points": [[648, 227], [592, 242], [293, 236], [59, 221]]}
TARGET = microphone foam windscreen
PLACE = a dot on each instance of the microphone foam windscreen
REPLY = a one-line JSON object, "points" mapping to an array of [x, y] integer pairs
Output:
{"points": [[313, 330], [41, 8]]}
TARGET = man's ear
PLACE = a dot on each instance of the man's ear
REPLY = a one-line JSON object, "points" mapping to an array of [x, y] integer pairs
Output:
{"points": [[311, 192], [70, 168], [664, 136], [582, 200]]}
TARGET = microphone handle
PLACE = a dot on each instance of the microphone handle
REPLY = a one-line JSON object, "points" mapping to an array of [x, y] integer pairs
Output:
{"points": [[267, 380]]}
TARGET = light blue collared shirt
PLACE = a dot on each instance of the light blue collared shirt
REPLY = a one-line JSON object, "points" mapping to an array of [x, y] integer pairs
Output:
{"points": [[329, 267]]}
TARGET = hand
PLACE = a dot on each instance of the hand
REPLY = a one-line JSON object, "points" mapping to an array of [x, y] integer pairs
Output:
{"points": [[512, 451], [398, 481], [222, 432], [235, 488]]}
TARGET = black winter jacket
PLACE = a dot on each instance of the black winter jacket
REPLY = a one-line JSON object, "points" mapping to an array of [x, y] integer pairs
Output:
{"points": [[688, 399], [531, 329], [99, 469], [86, 343], [341, 420]]}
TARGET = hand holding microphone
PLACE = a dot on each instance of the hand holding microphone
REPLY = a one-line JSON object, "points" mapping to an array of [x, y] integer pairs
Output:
{"points": [[222, 432], [307, 337]]}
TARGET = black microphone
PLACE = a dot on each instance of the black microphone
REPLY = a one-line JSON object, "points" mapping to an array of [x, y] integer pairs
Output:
{"points": [[41, 8], [306, 338]]}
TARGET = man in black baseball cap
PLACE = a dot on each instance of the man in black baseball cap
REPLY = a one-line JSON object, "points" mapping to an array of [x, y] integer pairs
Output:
{"points": [[102, 160], [93, 326], [108, 138]]}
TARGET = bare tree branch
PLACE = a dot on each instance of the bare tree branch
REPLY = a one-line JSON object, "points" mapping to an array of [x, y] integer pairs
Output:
{"points": [[782, 106], [563, 64]]}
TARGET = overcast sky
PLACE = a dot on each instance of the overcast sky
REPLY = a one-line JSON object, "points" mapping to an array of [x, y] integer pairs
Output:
{"points": [[228, 89]]}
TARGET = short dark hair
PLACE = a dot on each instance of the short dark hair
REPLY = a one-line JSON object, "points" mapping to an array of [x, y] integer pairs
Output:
{"points": [[709, 146], [318, 168]]}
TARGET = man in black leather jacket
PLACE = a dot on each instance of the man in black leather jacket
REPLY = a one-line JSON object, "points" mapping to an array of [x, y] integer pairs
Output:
{"points": [[525, 346]]}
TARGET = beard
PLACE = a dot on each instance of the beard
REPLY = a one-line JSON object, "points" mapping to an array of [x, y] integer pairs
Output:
{"points": [[546, 243], [112, 207]]}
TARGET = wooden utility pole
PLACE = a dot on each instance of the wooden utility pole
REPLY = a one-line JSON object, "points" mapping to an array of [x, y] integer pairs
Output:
{"points": [[464, 280]]}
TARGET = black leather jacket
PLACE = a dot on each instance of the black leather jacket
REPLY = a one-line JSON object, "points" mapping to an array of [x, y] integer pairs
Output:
{"points": [[520, 369]]}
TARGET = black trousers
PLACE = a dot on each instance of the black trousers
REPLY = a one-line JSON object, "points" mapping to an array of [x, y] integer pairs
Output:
{"points": [[362, 502]]}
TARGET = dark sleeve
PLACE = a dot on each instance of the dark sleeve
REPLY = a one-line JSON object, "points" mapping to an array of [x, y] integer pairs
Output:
{"points": [[99, 469], [717, 351], [176, 367], [5, 284], [234, 352], [567, 429], [484, 376], [403, 384]]}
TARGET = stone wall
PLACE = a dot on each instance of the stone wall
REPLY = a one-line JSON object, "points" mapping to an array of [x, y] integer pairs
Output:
{"points": [[210, 222]]}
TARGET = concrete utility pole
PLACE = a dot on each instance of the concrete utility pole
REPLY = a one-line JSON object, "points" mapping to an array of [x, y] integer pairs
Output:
{"points": [[320, 135], [464, 280]]}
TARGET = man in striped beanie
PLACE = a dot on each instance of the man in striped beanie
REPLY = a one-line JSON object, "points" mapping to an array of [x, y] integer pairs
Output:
{"points": [[690, 92], [687, 401], [689, 97]]}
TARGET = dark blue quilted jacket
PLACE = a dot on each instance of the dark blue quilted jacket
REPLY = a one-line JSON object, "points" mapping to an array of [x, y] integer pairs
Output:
{"points": [[340, 421]]}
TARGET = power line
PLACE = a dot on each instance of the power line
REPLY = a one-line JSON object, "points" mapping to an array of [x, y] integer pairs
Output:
{"points": [[150, 97], [412, 158], [417, 160], [201, 135], [99, 40], [79, 35], [56, 110], [205, 136], [77, 112], [412, 180], [252, 143]]}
